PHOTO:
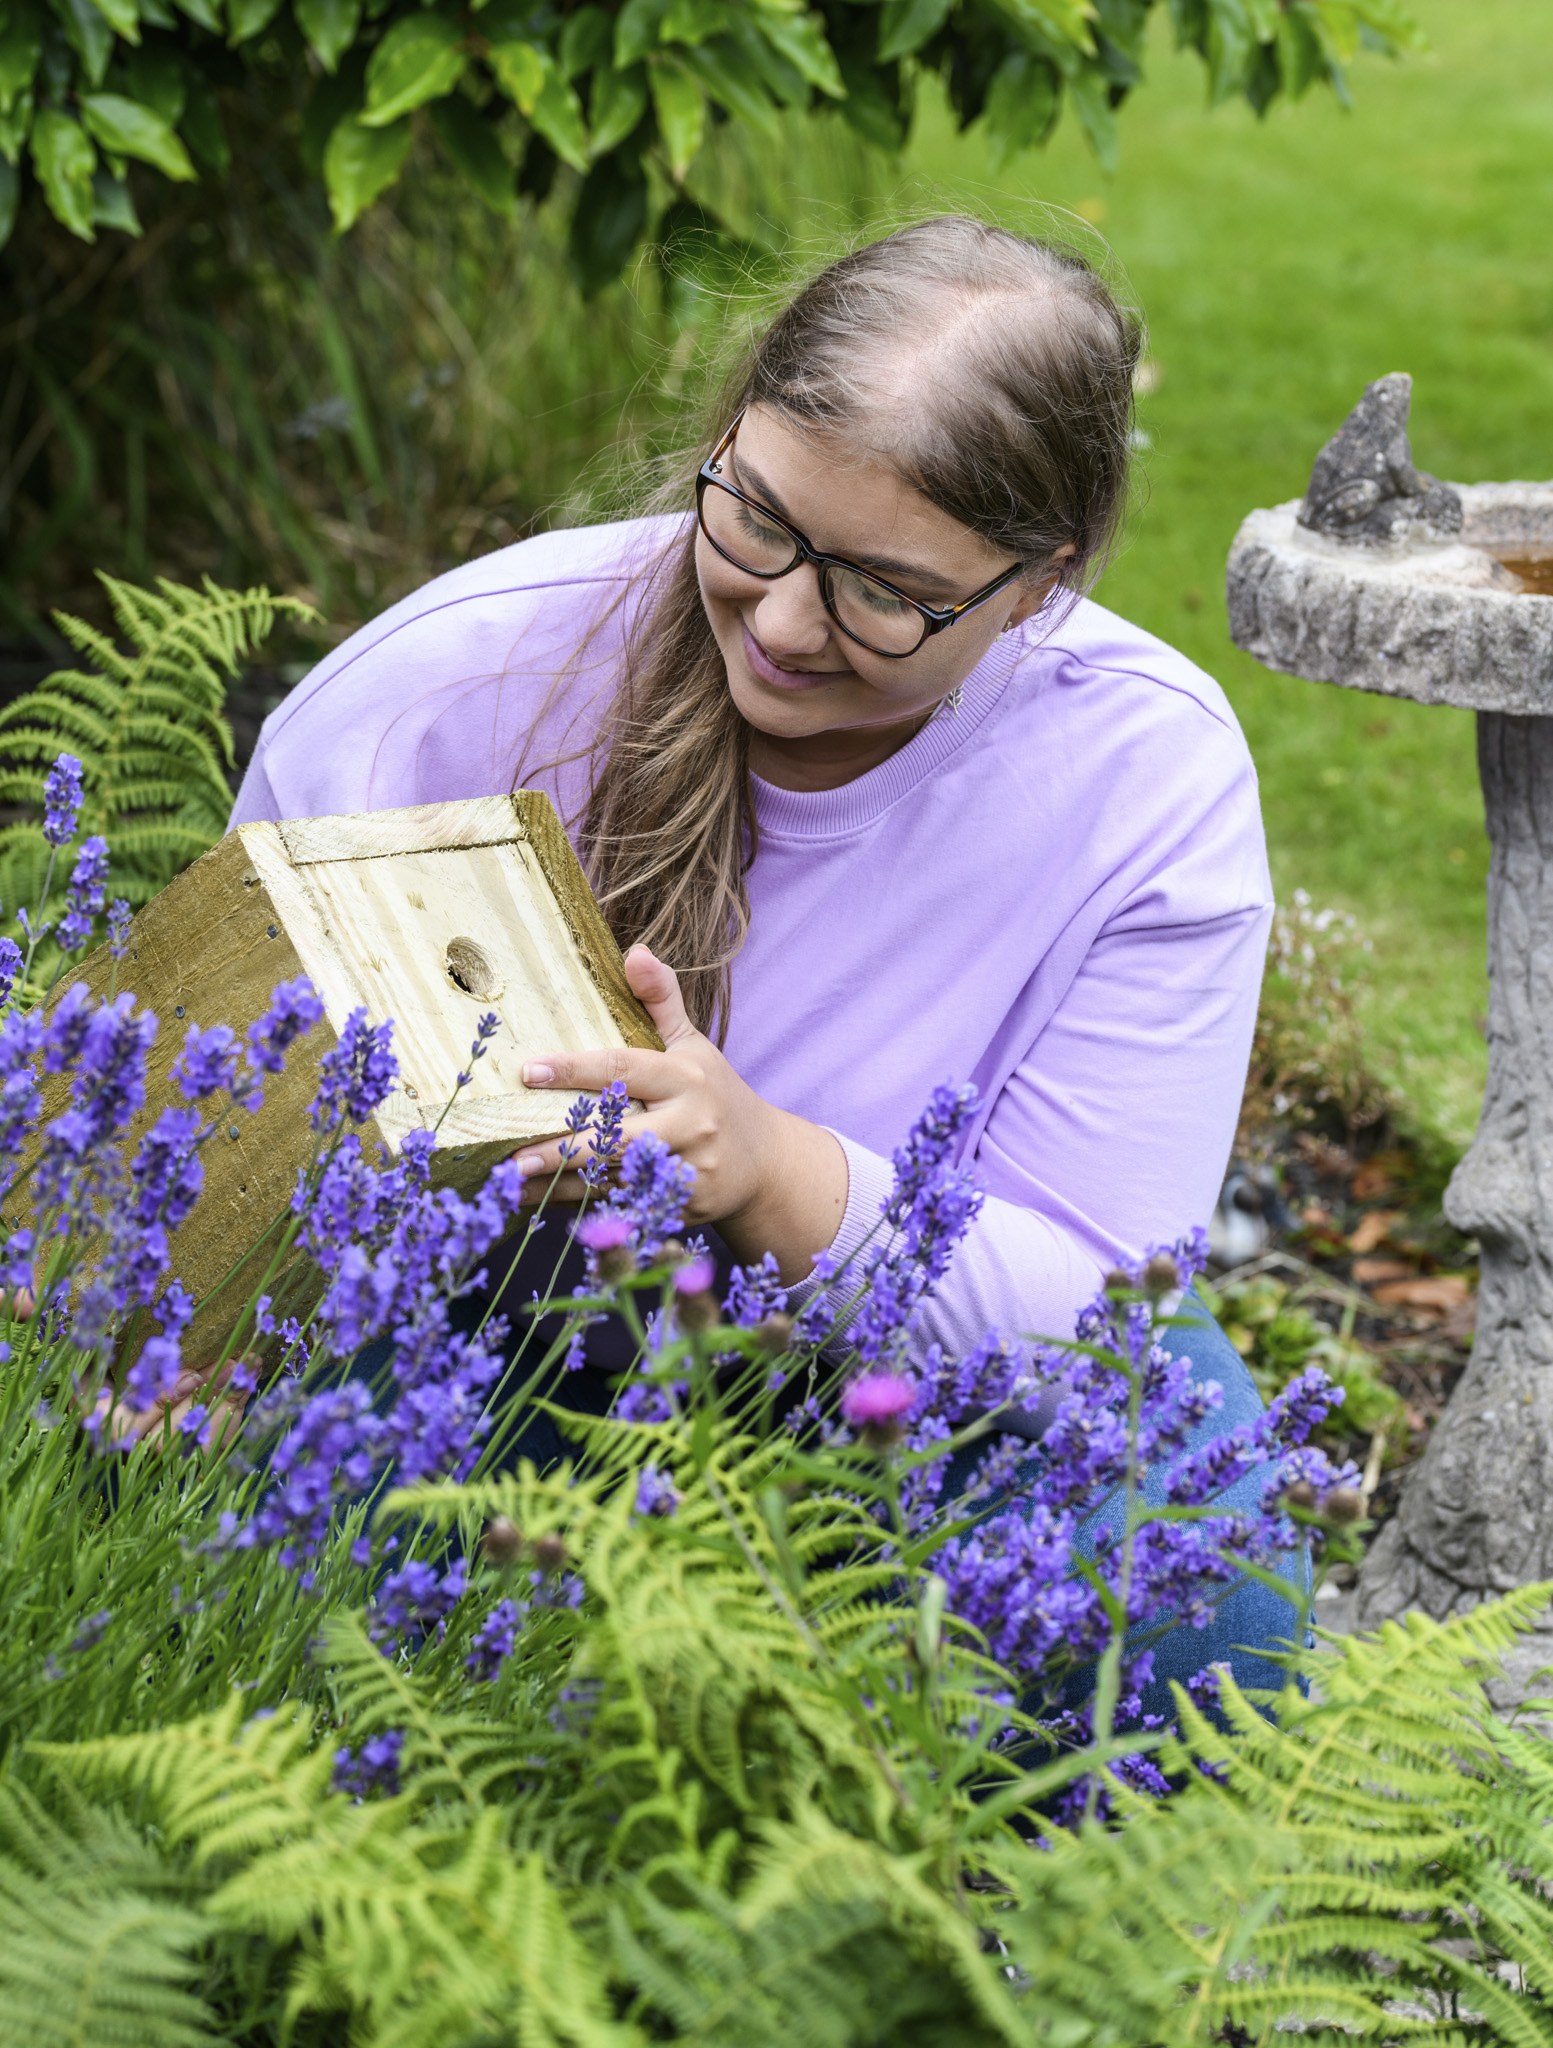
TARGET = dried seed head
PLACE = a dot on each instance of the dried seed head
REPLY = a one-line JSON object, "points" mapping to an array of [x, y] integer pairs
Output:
{"points": [[1119, 1282], [698, 1311], [1342, 1504], [1161, 1275], [502, 1541], [550, 1552], [617, 1263], [1300, 1495], [774, 1334]]}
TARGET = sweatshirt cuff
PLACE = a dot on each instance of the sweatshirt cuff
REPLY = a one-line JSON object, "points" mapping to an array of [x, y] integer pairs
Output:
{"points": [[870, 1181]]}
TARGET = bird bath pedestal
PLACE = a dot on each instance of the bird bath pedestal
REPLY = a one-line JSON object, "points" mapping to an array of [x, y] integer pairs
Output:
{"points": [[1388, 591]]}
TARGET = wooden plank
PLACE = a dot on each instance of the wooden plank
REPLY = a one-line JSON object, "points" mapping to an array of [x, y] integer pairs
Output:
{"points": [[413, 828]]}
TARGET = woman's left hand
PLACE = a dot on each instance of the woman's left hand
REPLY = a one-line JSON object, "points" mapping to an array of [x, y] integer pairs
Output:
{"points": [[768, 1180]]}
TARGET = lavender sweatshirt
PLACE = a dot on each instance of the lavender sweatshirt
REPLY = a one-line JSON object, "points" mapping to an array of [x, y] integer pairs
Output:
{"points": [[1060, 894]]}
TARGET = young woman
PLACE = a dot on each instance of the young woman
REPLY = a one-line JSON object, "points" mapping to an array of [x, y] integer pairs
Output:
{"points": [[874, 796]]}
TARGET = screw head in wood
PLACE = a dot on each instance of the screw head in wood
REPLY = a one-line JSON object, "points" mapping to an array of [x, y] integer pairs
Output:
{"points": [[178, 1009], [232, 1131], [272, 931]]}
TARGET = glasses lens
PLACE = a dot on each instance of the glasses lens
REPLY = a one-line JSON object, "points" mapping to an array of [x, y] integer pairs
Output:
{"points": [[744, 534], [873, 614]]}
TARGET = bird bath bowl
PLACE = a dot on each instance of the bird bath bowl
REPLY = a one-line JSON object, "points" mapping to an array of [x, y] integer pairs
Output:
{"points": [[1382, 579]]}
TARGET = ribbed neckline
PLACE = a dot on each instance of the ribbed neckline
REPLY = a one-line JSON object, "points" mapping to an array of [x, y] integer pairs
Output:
{"points": [[829, 813]]}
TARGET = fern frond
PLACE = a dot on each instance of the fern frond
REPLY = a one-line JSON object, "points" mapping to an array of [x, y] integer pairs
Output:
{"points": [[226, 1785], [148, 727], [96, 1949]]}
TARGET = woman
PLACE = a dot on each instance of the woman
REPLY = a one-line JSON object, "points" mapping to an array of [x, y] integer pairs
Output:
{"points": [[873, 795]]}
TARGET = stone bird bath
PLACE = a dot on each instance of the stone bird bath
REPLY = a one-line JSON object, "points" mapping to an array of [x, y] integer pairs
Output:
{"points": [[1384, 580]]}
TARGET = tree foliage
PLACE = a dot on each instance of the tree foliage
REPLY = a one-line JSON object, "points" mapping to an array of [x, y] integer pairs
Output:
{"points": [[622, 94]]}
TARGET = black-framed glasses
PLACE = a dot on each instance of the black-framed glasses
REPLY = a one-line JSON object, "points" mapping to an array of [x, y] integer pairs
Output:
{"points": [[866, 608]]}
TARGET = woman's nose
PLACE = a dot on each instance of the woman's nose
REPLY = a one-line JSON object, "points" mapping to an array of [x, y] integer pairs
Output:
{"points": [[791, 617]]}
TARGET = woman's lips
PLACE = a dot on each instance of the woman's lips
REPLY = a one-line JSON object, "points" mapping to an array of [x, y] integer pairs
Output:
{"points": [[784, 678]]}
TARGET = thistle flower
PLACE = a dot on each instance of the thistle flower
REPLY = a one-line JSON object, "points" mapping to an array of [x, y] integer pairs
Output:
{"points": [[62, 795], [877, 1405]]}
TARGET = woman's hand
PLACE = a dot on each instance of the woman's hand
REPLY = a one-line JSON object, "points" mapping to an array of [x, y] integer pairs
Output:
{"points": [[122, 1427], [768, 1180]]}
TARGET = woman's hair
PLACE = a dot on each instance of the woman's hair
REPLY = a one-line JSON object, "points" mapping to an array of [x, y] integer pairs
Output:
{"points": [[994, 372]]}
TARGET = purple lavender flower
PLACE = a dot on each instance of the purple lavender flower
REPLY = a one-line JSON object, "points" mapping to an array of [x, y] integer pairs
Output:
{"points": [[166, 1173], [10, 967], [208, 1063], [356, 1076], [154, 1375], [119, 915], [492, 1642], [85, 895], [485, 1031], [334, 1441], [653, 1189], [294, 1010], [604, 1145], [62, 795], [656, 1493], [415, 1600], [372, 1768], [754, 1294]]}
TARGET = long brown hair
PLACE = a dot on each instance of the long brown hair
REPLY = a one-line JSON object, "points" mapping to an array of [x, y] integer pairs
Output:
{"points": [[1020, 431]]}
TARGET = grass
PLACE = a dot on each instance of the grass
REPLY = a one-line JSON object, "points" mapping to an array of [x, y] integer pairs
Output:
{"points": [[1281, 265]]}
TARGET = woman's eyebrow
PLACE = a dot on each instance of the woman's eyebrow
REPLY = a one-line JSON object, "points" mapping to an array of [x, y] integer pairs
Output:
{"points": [[887, 565]]}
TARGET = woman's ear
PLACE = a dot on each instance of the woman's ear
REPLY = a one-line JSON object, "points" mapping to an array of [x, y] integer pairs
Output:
{"points": [[1034, 591]]}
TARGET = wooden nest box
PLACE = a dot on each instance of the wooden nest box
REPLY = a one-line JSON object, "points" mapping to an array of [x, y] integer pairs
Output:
{"points": [[430, 916]]}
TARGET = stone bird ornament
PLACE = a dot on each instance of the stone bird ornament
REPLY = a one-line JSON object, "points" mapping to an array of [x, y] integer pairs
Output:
{"points": [[1364, 488]]}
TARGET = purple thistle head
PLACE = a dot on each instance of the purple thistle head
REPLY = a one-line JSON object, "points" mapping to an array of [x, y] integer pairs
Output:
{"points": [[85, 895], [877, 1405], [603, 1231], [696, 1275], [62, 795], [119, 915], [356, 1076]]}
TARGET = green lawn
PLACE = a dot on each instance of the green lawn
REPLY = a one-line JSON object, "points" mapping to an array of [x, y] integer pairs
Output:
{"points": [[1281, 265]]}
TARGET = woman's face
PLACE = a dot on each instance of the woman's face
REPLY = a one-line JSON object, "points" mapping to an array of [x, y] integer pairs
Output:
{"points": [[792, 670]]}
